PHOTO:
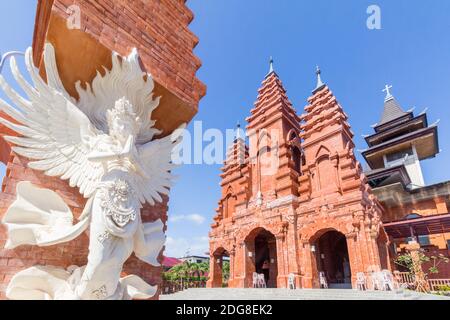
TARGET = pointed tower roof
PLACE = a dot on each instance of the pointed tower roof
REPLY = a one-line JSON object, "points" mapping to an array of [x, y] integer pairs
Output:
{"points": [[392, 110], [272, 98], [237, 152], [323, 113], [399, 130]]}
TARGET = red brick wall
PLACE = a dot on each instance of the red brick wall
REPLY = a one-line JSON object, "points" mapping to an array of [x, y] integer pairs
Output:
{"points": [[71, 253], [158, 29], [424, 208]]}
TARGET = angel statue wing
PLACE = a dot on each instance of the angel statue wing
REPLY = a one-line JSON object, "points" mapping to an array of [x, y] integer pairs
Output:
{"points": [[156, 159], [54, 133], [58, 132]]}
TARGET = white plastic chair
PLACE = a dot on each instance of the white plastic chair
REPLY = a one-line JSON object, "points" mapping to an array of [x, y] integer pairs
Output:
{"points": [[291, 281], [261, 281], [375, 278], [387, 280], [255, 280], [323, 280], [373, 272], [361, 281]]}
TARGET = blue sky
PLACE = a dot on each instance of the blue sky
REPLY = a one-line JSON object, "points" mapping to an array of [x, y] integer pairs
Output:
{"points": [[411, 52]]}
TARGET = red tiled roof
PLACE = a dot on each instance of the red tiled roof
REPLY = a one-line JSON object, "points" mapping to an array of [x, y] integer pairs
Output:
{"points": [[170, 262]]}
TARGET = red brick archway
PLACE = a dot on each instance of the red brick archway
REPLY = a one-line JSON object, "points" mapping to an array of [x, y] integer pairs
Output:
{"points": [[332, 258], [216, 268], [261, 256]]}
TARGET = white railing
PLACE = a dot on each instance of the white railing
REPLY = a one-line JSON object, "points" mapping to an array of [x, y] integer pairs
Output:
{"points": [[407, 278], [436, 283], [404, 277]]}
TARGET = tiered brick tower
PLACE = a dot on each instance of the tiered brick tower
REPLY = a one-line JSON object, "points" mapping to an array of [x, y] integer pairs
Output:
{"points": [[335, 202], [160, 32], [299, 203], [259, 194]]}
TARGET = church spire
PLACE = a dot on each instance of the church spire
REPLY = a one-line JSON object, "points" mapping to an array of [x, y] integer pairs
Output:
{"points": [[320, 83], [391, 110], [238, 131], [271, 70]]}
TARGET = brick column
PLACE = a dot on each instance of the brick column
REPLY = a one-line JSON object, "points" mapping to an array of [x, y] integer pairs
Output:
{"points": [[215, 272], [231, 280], [281, 251], [249, 263], [354, 257], [292, 256], [240, 266], [310, 275]]}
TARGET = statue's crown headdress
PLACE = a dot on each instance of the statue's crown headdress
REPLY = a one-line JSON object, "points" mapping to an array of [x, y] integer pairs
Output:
{"points": [[123, 109]]}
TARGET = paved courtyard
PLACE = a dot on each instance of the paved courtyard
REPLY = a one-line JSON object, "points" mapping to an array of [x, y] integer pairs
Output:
{"points": [[300, 294]]}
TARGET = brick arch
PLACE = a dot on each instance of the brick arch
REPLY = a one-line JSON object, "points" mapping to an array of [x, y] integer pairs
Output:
{"points": [[229, 203], [264, 141], [216, 266], [220, 250], [218, 247], [319, 228], [262, 249], [263, 134], [322, 152], [249, 233], [312, 237], [291, 135]]}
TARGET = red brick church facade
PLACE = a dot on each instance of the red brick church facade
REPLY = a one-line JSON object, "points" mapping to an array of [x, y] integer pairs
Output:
{"points": [[296, 198]]}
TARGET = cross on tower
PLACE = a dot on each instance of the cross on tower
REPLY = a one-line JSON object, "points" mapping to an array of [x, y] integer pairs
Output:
{"points": [[388, 92]]}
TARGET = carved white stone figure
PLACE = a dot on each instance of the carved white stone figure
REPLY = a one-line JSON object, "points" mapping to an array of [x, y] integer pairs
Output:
{"points": [[104, 145]]}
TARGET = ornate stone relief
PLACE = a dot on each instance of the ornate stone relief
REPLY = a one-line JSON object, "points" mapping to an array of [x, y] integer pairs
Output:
{"points": [[104, 145]]}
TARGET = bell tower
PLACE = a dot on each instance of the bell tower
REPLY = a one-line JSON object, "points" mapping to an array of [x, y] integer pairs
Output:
{"points": [[260, 194], [339, 218], [273, 129]]}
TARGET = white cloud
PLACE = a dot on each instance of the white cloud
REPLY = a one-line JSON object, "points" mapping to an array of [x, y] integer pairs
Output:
{"points": [[179, 247], [195, 218]]}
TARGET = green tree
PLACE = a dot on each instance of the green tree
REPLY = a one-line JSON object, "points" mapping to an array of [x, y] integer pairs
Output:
{"points": [[414, 263], [225, 272], [187, 271]]}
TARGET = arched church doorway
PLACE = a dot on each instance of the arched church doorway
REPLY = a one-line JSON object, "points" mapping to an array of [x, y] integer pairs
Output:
{"points": [[220, 268], [332, 259], [262, 256]]}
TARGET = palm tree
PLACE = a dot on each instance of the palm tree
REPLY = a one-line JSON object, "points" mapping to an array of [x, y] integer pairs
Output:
{"points": [[187, 270]]}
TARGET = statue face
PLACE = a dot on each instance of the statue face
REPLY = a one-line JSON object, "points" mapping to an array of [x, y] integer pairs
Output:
{"points": [[120, 127], [122, 120]]}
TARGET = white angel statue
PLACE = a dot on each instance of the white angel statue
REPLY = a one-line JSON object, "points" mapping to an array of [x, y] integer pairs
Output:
{"points": [[103, 144]]}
